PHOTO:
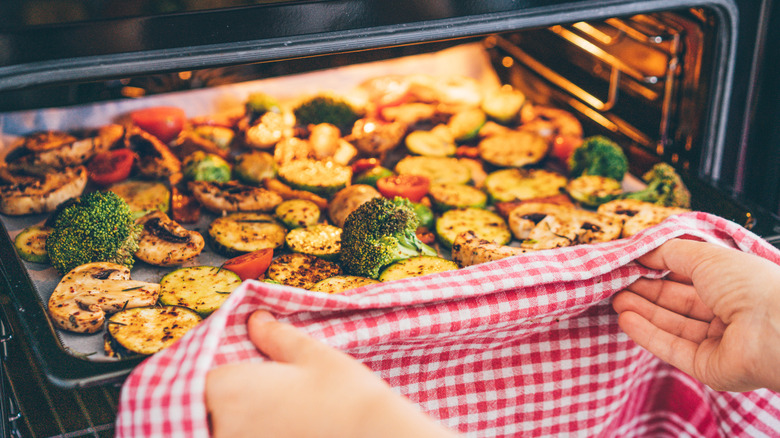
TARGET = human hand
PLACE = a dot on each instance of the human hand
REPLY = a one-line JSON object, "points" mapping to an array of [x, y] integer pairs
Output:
{"points": [[716, 316], [309, 390]]}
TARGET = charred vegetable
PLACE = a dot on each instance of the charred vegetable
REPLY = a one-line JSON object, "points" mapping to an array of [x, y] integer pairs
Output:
{"points": [[147, 330]]}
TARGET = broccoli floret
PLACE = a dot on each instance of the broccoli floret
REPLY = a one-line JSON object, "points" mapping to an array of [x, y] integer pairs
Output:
{"points": [[327, 109], [378, 233], [664, 187], [258, 104], [99, 227], [600, 156]]}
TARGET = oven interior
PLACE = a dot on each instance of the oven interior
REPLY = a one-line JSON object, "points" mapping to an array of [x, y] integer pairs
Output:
{"points": [[654, 82]]}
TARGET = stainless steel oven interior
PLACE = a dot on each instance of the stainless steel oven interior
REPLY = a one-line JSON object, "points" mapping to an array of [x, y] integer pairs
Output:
{"points": [[671, 81]]}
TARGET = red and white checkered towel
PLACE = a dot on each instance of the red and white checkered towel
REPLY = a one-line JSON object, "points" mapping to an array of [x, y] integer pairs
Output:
{"points": [[526, 345]]}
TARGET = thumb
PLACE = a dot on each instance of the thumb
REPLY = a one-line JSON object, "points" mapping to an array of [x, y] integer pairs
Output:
{"points": [[279, 341]]}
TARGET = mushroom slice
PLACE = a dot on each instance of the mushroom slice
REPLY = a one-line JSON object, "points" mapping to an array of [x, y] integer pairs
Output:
{"points": [[468, 249], [166, 243], [81, 300], [637, 215], [546, 226], [524, 218], [44, 194], [63, 150], [232, 196], [155, 159], [47, 140]]}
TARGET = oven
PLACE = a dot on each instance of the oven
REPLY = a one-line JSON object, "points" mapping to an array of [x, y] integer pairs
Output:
{"points": [[684, 82]]}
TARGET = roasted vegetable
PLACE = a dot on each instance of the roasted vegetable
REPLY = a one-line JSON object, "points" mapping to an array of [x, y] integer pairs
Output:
{"points": [[416, 267], [664, 187], [378, 233], [147, 330], [201, 166], [598, 156], [253, 167], [593, 190], [30, 244], [327, 109], [99, 227]]}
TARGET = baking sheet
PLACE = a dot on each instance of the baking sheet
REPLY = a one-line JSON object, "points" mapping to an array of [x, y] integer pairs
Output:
{"points": [[468, 60]]}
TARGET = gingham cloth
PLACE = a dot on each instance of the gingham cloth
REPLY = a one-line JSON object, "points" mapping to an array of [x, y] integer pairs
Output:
{"points": [[526, 345]]}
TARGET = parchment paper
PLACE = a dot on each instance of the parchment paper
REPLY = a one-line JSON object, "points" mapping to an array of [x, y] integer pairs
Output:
{"points": [[468, 60]]}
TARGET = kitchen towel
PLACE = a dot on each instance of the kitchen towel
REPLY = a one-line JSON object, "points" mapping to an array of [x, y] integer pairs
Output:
{"points": [[527, 345]]}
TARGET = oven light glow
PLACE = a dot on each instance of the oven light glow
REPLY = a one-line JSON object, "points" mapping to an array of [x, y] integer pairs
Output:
{"points": [[369, 127], [132, 92], [185, 75]]}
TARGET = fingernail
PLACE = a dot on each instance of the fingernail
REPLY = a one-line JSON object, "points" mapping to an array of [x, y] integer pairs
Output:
{"points": [[261, 316]]}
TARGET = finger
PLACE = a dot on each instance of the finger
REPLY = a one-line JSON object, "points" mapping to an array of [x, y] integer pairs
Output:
{"points": [[668, 321], [281, 342], [673, 350], [677, 297]]}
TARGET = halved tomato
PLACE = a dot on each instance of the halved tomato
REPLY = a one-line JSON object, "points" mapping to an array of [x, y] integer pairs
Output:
{"points": [[364, 164], [250, 265], [412, 187], [563, 146], [111, 166], [164, 122]]}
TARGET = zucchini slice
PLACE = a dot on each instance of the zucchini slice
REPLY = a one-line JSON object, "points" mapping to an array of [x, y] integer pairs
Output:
{"points": [[430, 144], [323, 178], [594, 190], [253, 167], [297, 213], [448, 196], [143, 196], [238, 233], [341, 283], [200, 288], [523, 184], [30, 244], [147, 330], [503, 105], [301, 270], [513, 149], [416, 267], [465, 125], [321, 240], [485, 224], [436, 169]]}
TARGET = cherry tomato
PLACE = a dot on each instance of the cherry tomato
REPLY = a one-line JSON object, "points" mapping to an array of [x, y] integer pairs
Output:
{"points": [[412, 187], [250, 265], [111, 166], [185, 209], [364, 164], [563, 146], [164, 122]]}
